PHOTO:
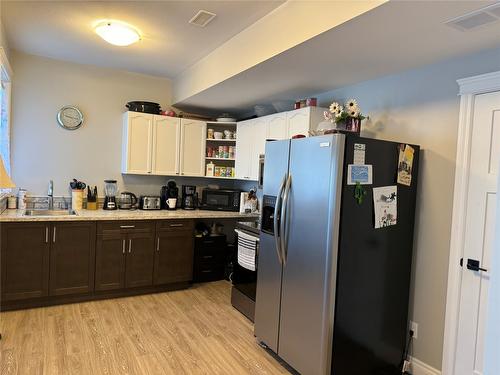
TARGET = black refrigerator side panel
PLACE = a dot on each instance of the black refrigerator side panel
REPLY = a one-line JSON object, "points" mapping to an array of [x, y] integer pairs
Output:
{"points": [[374, 269]]}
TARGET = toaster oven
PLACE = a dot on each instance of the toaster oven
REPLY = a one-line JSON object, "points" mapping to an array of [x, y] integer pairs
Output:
{"points": [[220, 200]]}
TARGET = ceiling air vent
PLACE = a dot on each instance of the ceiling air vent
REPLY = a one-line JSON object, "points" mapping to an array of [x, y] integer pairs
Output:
{"points": [[477, 18], [202, 18]]}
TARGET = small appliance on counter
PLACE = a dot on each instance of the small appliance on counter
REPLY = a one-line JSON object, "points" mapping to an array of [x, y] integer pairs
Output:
{"points": [[150, 202], [189, 197], [169, 195], [110, 190], [128, 201], [221, 200]]}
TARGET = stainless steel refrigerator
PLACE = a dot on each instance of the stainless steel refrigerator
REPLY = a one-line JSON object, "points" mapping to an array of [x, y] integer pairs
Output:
{"points": [[332, 291]]}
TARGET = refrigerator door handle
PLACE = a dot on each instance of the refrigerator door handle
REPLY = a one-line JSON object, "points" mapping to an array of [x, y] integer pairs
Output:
{"points": [[284, 220], [277, 209]]}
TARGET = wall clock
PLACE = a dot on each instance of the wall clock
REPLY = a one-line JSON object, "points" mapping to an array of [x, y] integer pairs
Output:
{"points": [[69, 117]]}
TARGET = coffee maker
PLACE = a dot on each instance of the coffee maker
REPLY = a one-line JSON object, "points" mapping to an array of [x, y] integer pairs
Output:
{"points": [[189, 197], [169, 195], [110, 190]]}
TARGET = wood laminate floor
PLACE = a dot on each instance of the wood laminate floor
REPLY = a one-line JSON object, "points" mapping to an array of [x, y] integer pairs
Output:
{"points": [[193, 331]]}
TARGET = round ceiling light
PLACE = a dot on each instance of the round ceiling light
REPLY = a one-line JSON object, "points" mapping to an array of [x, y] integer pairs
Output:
{"points": [[117, 33]]}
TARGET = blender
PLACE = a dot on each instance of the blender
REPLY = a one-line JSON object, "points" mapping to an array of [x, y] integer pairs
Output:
{"points": [[110, 190]]}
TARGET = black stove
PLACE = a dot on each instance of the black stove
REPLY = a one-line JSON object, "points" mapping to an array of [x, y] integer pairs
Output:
{"points": [[244, 280]]}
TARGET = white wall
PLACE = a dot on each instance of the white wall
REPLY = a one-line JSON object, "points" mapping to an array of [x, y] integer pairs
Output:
{"points": [[421, 107], [42, 150], [3, 38]]}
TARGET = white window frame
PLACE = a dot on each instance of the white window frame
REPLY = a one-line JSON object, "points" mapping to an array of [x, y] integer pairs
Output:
{"points": [[6, 77]]}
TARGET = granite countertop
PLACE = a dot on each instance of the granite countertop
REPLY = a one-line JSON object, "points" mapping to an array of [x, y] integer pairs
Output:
{"points": [[100, 215]]}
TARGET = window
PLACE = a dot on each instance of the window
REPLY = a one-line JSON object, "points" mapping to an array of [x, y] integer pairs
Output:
{"points": [[5, 92]]}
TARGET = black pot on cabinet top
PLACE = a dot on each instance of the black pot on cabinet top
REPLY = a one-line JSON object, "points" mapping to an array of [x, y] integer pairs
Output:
{"points": [[145, 107]]}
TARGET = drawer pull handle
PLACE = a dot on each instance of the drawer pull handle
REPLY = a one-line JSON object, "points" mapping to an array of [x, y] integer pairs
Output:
{"points": [[46, 234], [206, 271], [207, 256], [127, 226], [130, 246], [158, 244], [123, 247], [54, 236], [176, 225]]}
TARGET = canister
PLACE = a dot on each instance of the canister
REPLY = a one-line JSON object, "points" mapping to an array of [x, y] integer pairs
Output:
{"points": [[12, 202], [77, 199]]}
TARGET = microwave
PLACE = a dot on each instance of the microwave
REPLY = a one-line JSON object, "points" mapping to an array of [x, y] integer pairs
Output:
{"points": [[220, 200]]}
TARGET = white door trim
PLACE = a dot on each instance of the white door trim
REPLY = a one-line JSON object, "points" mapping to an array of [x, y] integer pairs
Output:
{"points": [[469, 88]]}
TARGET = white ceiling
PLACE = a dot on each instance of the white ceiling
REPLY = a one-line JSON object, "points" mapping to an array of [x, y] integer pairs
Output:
{"points": [[394, 37], [64, 30]]}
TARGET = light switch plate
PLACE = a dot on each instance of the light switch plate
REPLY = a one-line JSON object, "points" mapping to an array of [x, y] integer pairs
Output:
{"points": [[414, 328]]}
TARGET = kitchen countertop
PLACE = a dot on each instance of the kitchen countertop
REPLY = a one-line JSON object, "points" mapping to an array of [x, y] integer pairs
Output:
{"points": [[100, 215]]}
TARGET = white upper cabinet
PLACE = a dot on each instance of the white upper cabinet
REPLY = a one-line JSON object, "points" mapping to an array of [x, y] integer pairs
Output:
{"points": [[162, 145], [258, 145], [192, 147], [166, 145], [277, 127], [243, 147], [137, 143], [301, 121], [252, 135]]}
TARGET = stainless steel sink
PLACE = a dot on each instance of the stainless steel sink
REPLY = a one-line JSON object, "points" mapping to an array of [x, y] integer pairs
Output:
{"points": [[49, 213]]}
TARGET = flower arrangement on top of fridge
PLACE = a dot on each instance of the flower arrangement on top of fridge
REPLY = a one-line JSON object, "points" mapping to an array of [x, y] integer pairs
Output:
{"points": [[346, 118]]}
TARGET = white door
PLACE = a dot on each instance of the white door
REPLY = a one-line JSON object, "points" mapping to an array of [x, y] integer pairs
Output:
{"points": [[243, 147], [276, 126], [192, 151], [298, 122], [138, 143], [479, 235], [258, 145], [166, 141]]}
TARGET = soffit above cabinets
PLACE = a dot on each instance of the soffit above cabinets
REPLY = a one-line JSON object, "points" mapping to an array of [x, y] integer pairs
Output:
{"points": [[391, 38]]}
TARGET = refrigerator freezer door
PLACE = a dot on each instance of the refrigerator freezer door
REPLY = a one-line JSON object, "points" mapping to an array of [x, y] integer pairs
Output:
{"points": [[267, 302], [309, 273]]}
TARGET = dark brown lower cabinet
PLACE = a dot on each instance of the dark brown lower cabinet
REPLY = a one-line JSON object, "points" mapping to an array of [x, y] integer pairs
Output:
{"points": [[139, 263], [124, 255], [174, 252], [110, 261], [45, 263], [72, 258], [25, 260]]}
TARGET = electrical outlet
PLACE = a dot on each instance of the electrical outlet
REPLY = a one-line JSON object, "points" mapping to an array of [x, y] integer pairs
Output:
{"points": [[414, 328]]}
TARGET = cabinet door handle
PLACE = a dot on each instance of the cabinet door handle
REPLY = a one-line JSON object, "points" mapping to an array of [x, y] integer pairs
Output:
{"points": [[127, 226], [130, 245], [123, 246], [46, 234], [54, 236], [158, 244], [176, 225]]}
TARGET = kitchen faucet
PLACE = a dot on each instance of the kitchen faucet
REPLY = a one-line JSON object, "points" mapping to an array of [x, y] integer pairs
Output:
{"points": [[51, 195]]}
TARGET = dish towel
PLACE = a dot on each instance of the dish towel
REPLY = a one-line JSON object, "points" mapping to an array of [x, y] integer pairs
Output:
{"points": [[247, 250]]}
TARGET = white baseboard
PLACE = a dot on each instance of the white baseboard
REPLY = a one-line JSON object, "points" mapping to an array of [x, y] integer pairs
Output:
{"points": [[421, 368]]}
